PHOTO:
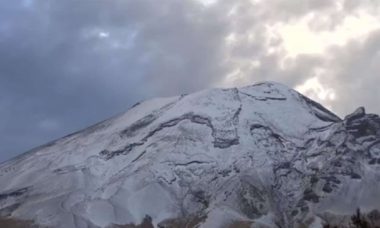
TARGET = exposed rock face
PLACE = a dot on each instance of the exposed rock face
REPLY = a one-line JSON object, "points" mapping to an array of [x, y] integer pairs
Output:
{"points": [[13, 223], [261, 156]]}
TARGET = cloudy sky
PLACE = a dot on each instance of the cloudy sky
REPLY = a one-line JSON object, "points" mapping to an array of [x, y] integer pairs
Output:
{"points": [[66, 64]]}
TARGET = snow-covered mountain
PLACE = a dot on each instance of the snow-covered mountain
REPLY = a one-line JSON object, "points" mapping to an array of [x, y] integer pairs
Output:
{"points": [[259, 156]]}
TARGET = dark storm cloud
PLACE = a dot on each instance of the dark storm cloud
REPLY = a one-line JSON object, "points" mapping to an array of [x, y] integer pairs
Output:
{"points": [[67, 64]]}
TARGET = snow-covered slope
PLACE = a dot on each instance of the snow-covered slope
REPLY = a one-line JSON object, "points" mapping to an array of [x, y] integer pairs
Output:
{"points": [[261, 155]]}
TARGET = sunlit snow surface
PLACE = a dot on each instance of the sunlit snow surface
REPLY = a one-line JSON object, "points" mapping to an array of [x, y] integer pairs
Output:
{"points": [[260, 153]]}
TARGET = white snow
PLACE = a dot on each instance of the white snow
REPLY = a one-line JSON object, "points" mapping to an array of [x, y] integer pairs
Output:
{"points": [[203, 145]]}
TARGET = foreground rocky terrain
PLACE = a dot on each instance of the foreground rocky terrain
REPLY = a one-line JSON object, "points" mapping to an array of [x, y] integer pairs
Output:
{"points": [[257, 156]]}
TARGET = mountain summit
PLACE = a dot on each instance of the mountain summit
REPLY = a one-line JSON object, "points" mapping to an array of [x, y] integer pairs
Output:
{"points": [[257, 156]]}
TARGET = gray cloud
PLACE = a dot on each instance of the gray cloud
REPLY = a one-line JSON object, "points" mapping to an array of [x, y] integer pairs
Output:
{"points": [[67, 64], [353, 72]]}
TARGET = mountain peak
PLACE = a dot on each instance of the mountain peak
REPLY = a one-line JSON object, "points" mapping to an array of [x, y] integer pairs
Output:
{"points": [[261, 154], [358, 113]]}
